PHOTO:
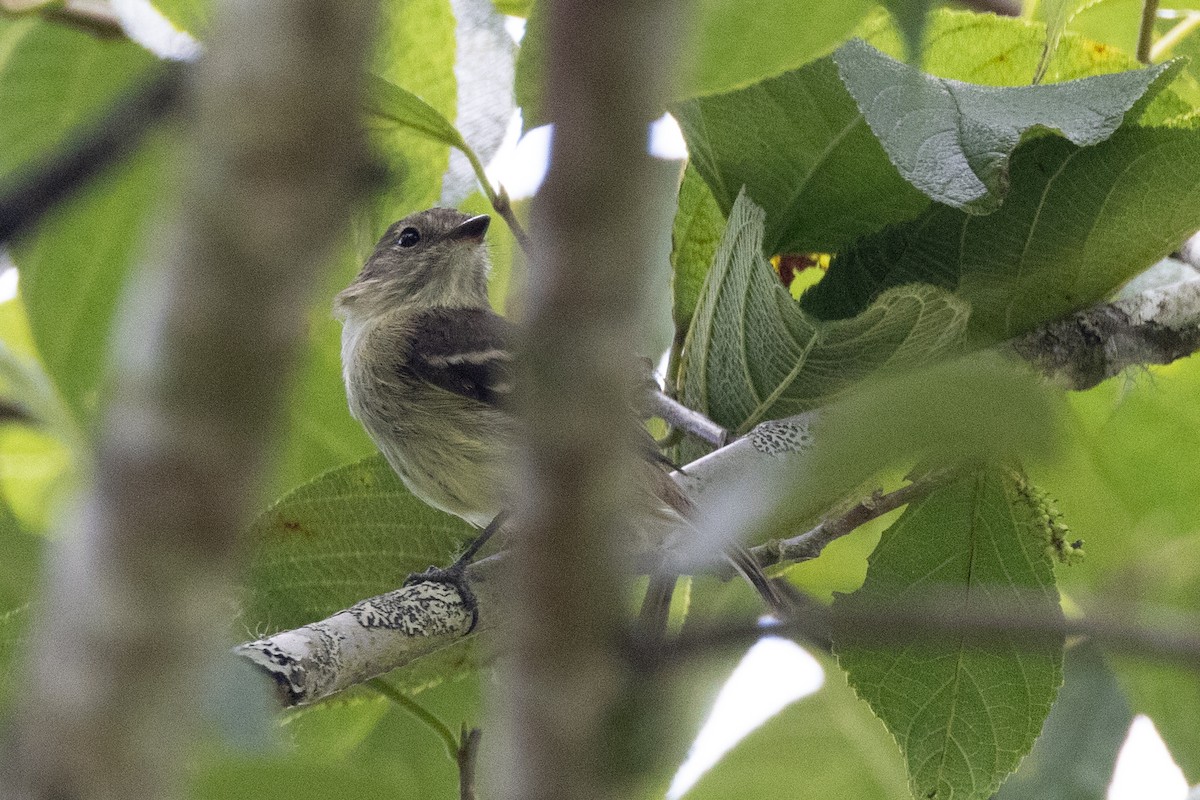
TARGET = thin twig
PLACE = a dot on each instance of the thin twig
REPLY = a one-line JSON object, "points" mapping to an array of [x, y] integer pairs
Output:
{"points": [[1146, 31], [808, 545], [503, 206], [443, 732], [679, 416], [37, 189], [467, 757], [923, 621]]}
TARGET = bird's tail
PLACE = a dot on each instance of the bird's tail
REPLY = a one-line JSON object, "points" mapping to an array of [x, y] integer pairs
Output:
{"points": [[748, 568]]}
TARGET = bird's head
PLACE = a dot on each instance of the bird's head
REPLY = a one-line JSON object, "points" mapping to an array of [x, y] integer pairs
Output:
{"points": [[434, 258]]}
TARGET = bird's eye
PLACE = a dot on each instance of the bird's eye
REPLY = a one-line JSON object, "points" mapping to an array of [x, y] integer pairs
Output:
{"points": [[408, 237]]}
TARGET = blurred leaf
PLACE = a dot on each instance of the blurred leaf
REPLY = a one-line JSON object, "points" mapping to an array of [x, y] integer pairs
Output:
{"points": [[192, 16], [953, 140], [735, 43], [353, 533], [752, 354], [1170, 696], [964, 713], [1077, 223], [20, 570], [52, 80], [829, 743], [1074, 756], [514, 8], [239, 777], [1056, 14]]}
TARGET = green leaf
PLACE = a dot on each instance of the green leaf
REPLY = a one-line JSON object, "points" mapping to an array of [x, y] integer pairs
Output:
{"points": [[752, 354], [694, 238], [20, 570], [192, 16], [74, 270], [389, 102], [800, 146], [1077, 223], [963, 709], [735, 43], [953, 140], [827, 742], [352, 533], [1074, 756]]}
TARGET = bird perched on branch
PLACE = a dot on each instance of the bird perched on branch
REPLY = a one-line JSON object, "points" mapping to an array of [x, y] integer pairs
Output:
{"points": [[428, 371]]}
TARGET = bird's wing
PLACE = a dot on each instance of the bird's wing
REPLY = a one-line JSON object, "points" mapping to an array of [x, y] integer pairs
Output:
{"points": [[465, 351]]}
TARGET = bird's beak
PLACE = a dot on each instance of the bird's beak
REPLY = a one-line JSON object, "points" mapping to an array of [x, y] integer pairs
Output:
{"points": [[474, 228]]}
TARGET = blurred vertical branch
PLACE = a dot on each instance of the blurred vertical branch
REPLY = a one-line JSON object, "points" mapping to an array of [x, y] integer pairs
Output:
{"points": [[609, 70], [137, 592]]}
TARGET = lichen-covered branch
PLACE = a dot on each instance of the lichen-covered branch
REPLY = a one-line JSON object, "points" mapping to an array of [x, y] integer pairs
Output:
{"points": [[1157, 326], [139, 584]]}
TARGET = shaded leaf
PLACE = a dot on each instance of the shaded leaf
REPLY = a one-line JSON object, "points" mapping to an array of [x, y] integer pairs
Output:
{"points": [[1077, 223], [752, 354], [953, 140], [910, 17], [1074, 756], [964, 709]]}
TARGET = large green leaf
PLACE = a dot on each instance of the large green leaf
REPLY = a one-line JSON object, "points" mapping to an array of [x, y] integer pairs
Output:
{"points": [[735, 43], [828, 743], [953, 140], [1074, 757], [1077, 223], [352, 533], [752, 354], [801, 147], [964, 709]]}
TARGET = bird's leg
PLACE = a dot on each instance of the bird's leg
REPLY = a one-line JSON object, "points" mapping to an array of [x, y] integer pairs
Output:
{"points": [[456, 573]]}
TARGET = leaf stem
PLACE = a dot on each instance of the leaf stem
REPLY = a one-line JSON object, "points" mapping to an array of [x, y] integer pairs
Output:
{"points": [[498, 198], [1146, 33], [420, 712]]}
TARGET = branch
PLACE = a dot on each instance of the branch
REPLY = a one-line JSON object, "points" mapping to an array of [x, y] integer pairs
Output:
{"points": [[1146, 30], [922, 621], [1157, 326], [272, 167]]}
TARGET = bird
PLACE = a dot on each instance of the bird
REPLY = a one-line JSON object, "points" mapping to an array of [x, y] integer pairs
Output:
{"points": [[429, 370]]}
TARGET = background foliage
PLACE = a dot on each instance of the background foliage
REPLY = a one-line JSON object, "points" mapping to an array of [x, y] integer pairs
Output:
{"points": [[961, 206]]}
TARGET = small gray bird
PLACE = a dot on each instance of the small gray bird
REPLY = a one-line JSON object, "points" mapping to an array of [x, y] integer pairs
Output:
{"points": [[428, 370]]}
